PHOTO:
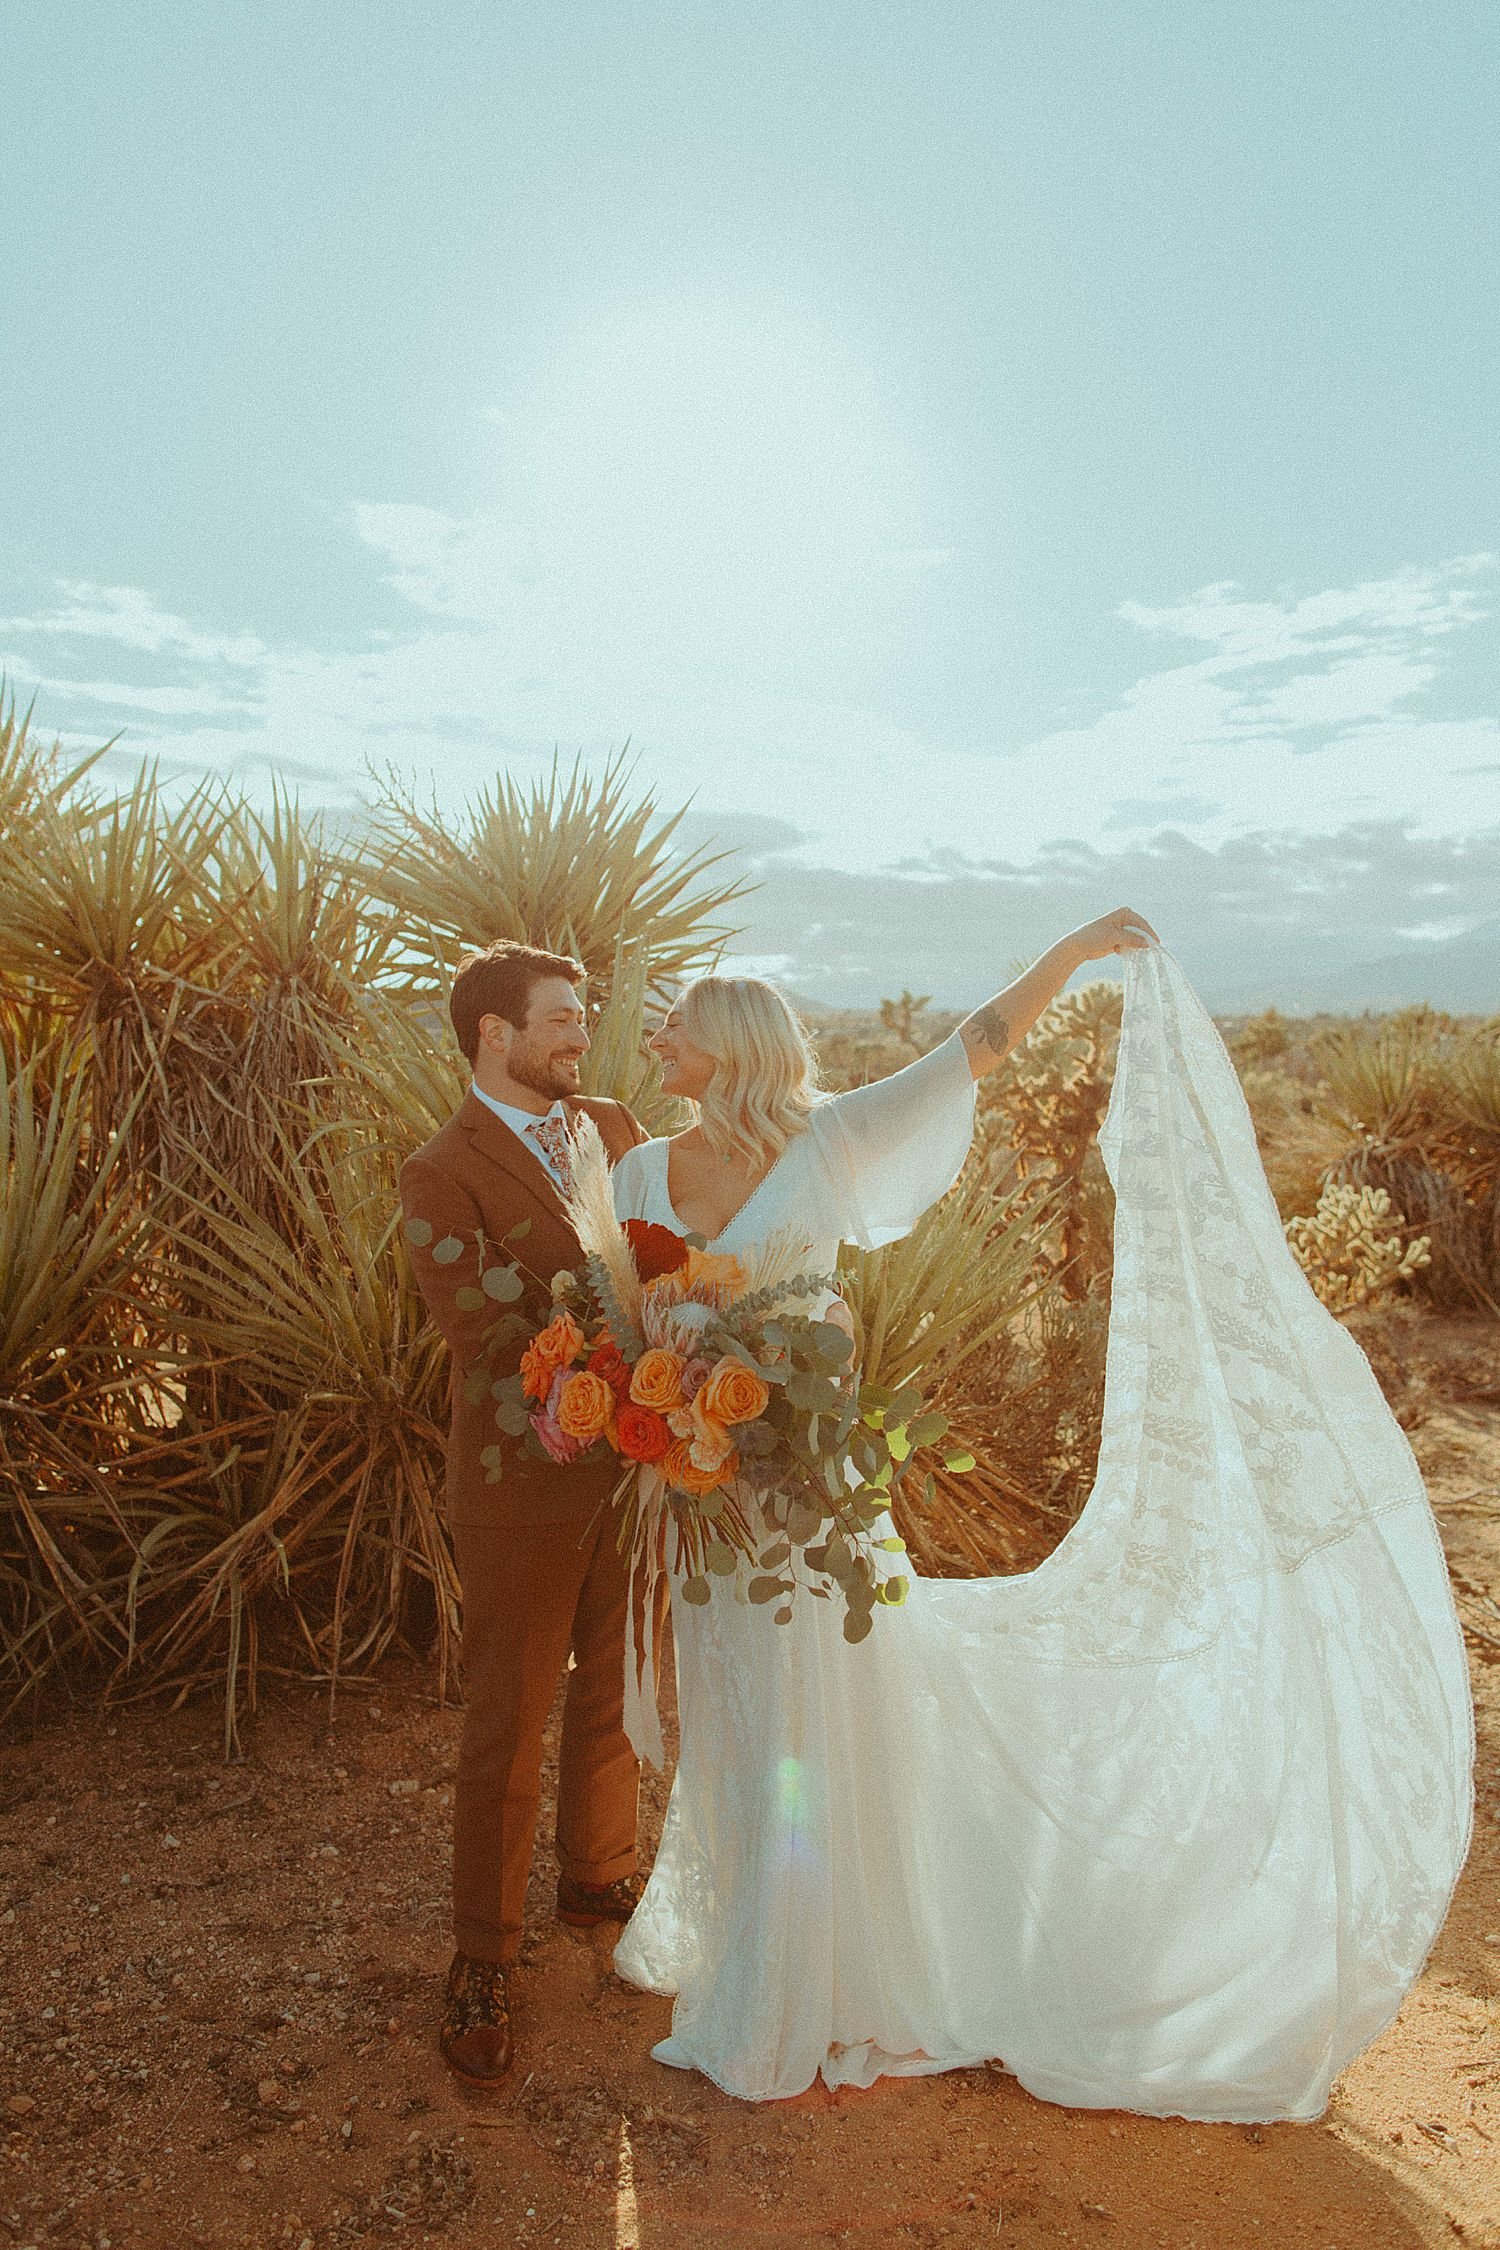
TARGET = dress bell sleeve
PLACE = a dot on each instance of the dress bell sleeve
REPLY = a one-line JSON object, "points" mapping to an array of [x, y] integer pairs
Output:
{"points": [[891, 1150]]}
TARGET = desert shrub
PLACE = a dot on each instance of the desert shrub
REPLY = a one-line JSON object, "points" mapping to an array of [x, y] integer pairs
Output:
{"points": [[1418, 1101], [1354, 1246]]}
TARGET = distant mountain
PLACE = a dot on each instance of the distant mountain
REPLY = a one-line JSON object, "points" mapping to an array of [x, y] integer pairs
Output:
{"points": [[1459, 974]]}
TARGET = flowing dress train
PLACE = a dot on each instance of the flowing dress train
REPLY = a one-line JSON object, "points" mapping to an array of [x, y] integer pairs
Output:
{"points": [[1166, 1824]]}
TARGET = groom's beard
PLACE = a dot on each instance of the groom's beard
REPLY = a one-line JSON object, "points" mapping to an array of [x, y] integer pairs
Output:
{"points": [[533, 1064]]}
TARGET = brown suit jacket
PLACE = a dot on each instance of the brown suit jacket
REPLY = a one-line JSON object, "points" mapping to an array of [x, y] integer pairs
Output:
{"points": [[477, 1176]]}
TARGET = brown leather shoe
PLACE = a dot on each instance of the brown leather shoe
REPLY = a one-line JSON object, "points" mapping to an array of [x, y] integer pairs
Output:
{"points": [[583, 1906], [475, 2038]]}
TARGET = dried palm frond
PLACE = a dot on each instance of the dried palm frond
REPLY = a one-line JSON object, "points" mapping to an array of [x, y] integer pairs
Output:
{"points": [[590, 1207]]}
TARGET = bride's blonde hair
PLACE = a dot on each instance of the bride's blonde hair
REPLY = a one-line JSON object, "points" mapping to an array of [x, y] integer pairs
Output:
{"points": [[765, 1078]]}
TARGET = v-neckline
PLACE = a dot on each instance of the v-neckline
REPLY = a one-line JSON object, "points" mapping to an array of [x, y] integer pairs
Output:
{"points": [[736, 1215]]}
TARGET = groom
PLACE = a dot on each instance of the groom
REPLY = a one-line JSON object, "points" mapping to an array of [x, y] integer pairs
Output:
{"points": [[540, 1572]]}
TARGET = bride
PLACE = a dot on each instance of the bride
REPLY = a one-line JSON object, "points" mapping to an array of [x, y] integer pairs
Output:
{"points": [[1166, 1824]]}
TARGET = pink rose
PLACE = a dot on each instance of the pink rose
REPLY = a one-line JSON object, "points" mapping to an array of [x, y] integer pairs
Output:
{"points": [[694, 1375], [549, 1429]]}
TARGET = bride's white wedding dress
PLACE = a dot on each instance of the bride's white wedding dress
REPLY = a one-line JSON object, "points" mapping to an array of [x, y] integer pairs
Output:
{"points": [[1167, 1824]]}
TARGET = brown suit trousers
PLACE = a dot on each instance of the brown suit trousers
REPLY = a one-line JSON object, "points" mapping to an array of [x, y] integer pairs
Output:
{"points": [[538, 1565]]}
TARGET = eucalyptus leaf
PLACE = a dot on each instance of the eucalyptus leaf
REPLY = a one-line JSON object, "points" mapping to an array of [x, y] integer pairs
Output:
{"points": [[469, 1300], [928, 1428], [958, 1464], [418, 1232], [783, 1616], [857, 1624], [503, 1283], [804, 1521], [766, 1589], [721, 1558], [775, 1555], [697, 1591]]}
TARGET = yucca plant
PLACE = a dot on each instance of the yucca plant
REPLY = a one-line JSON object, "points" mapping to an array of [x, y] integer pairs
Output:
{"points": [[69, 1235], [945, 1308], [276, 1008], [106, 925], [311, 1345], [618, 1064], [574, 864], [32, 779]]}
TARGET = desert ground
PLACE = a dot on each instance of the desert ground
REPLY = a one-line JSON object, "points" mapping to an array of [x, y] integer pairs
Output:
{"points": [[221, 1983]]}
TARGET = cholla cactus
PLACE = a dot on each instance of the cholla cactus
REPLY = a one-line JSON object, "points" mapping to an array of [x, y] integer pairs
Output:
{"points": [[1350, 1248]]}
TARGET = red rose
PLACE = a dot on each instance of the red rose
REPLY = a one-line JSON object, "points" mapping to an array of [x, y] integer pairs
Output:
{"points": [[608, 1360], [640, 1434], [656, 1250]]}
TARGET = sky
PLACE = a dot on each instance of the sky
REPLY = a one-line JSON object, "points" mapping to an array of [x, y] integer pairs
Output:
{"points": [[998, 463]]}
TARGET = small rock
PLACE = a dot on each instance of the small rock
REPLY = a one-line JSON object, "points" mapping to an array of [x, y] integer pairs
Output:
{"points": [[21, 2105], [268, 2091], [170, 1843], [247, 2164], [402, 1788], [71, 1949]]}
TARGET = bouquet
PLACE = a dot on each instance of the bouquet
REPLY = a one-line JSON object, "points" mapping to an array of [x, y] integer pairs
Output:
{"points": [[749, 1450]]}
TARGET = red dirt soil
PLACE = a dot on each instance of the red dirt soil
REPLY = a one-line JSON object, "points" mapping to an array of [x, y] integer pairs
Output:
{"points": [[222, 1984]]}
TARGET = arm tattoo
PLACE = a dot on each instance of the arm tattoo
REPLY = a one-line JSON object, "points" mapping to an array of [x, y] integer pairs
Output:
{"points": [[987, 1028]]}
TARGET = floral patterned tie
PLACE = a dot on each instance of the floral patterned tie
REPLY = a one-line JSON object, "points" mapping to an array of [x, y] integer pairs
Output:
{"points": [[557, 1144]]}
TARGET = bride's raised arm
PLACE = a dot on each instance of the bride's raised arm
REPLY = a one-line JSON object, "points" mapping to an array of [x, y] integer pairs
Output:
{"points": [[892, 1148], [1002, 1023]]}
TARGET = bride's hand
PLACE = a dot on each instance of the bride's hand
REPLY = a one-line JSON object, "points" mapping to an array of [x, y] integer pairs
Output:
{"points": [[1124, 931]]}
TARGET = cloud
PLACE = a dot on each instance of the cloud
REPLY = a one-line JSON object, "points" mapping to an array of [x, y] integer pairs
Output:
{"points": [[1281, 789], [1301, 920], [129, 617]]}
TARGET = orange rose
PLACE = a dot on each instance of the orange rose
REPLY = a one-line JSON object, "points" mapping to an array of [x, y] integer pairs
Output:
{"points": [[586, 1406], [720, 1268], [734, 1392], [680, 1469], [706, 1440], [657, 1381], [558, 1345]]}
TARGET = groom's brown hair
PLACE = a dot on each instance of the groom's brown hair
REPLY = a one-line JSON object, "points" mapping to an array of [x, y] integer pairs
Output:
{"points": [[497, 981]]}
